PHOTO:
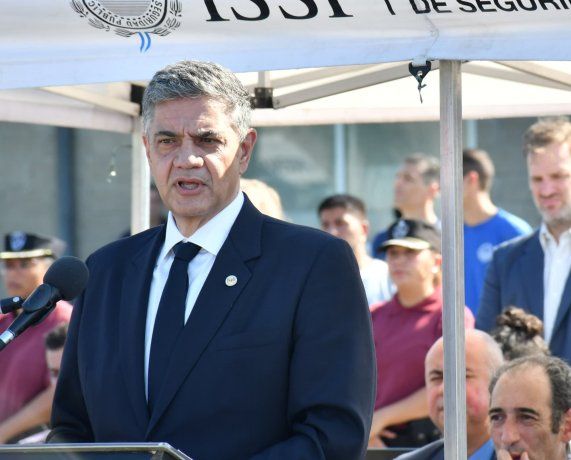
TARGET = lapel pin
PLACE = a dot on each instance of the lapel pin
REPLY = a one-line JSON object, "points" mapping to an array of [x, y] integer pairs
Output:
{"points": [[231, 280]]}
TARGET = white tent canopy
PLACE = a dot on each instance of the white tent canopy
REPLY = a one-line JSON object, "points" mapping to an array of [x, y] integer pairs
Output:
{"points": [[491, 90], [88, 41]]}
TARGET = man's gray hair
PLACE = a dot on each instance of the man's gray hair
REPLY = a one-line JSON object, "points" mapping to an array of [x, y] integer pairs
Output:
{"points": [[559, 375], [195, 79]]}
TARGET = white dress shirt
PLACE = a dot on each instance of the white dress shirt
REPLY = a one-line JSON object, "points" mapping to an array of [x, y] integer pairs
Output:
{"points": [[557, 263], [210, 237]]}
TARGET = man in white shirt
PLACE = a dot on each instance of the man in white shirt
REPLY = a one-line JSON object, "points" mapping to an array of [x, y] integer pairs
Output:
{"points": [[345, 217], [532, 272], [226, 333]]}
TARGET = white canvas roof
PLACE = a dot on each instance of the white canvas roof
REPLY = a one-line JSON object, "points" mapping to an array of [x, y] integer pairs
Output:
{"points": [[93, 41]]}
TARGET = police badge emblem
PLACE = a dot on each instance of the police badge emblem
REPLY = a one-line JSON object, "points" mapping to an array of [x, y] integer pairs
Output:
{"points": [[135, 17], [401, 229], [17, 241]]}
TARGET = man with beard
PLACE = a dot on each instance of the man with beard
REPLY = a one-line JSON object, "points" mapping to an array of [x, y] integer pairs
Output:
{"points": [[532, 272]]}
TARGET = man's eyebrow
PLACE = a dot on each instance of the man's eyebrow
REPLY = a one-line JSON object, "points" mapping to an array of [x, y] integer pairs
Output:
{"points": [[165, 133], [435, 373], [527, 411], [206, 133], [495, 410]]}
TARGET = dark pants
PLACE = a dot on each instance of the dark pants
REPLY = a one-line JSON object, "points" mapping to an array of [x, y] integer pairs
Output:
{"points": [[415, 433]]}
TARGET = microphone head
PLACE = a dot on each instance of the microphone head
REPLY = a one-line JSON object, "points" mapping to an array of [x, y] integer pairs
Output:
{"points": [[68, 275]]}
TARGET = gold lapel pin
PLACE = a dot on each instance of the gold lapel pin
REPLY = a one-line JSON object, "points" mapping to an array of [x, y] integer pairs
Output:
{"points": [[231, 280]]}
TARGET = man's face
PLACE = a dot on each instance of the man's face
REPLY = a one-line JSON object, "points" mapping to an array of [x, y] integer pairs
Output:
{"points": [[550, 183], [410, 190], [196, 158], [520, 413], [477, 396], [22, 276], [345, 225], [53, 360]]}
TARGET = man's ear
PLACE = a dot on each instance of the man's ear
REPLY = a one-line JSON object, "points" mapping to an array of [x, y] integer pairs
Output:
{"points": [[246, 148], [147, 145], [434, 189], [565, 428], [366, 226]]}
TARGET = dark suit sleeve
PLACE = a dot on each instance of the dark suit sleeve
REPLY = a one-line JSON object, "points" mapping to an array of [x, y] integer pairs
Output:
{"points": [[490, 303], [70, 422], [332, 369]]}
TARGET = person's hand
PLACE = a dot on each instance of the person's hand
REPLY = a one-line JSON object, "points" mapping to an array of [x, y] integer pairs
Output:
{"points": [[378, 430], [503, 454], [376, 442]]}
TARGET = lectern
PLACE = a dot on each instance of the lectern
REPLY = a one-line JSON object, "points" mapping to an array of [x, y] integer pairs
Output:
{"points": [[104, 451]]}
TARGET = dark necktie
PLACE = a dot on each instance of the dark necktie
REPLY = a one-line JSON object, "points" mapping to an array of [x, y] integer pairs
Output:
{"points": [[170, 318]]}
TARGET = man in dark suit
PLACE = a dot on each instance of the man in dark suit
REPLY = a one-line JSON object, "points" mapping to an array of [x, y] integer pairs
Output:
{"points": [[270, 355], [532, 272], [483, 358]]}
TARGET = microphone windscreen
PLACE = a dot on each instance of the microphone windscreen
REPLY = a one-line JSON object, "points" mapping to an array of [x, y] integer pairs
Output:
{"points": [[68, 275]]}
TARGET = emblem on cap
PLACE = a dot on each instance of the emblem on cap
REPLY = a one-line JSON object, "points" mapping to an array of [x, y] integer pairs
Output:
{"points": [[401, 229], [231, 280], [17, 240]]}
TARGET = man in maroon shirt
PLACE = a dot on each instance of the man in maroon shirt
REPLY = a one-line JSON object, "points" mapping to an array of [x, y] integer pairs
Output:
{"points": [[25, 392]]}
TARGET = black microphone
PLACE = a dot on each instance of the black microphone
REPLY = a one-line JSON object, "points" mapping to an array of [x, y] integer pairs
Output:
{"points": [[65, 279], [10, 304]]}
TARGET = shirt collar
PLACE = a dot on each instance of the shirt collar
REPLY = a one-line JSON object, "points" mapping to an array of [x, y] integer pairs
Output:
{"points": [[484, 452], [211, 236], [545, 236]]}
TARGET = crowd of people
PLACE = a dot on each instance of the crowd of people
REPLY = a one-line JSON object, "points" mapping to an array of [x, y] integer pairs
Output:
{"points": [[277, 333]]}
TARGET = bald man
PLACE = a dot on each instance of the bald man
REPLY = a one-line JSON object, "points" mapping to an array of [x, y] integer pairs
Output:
{"points": [[483, 358]]}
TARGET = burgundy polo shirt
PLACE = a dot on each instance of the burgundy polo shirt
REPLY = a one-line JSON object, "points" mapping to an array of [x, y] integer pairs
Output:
{"points": [[403, 336], [23, 369]]}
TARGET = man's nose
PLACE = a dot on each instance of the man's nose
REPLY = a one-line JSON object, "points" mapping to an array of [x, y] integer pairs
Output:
{"points": [[188, 156], [333, 230], [547, 188], [510, 433]]}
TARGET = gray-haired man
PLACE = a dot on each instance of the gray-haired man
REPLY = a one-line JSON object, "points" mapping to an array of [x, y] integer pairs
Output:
{"points": [[244, 341]]}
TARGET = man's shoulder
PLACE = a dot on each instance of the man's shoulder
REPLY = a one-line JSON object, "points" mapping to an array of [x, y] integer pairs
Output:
{"points": [[513, 222], [424, 453], [277, 231], [515, 246], [124, 246]]}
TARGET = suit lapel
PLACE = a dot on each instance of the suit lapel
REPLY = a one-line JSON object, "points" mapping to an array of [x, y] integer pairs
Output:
{"points": [[132, 318], [214, 302], [531, 275], [564, 305]]}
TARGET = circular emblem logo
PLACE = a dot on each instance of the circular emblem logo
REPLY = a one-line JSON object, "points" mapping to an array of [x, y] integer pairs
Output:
{"points": [[134, 17], [401, 229], [17, 240], [485, 252]]}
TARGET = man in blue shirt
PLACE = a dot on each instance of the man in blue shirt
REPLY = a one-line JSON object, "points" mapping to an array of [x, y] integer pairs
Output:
{"points": [[483, 358], [485, 225]]}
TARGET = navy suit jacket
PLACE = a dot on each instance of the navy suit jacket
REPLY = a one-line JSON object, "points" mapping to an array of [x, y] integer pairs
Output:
{"points": [[515, 278], [280, 365], [432, 451]]}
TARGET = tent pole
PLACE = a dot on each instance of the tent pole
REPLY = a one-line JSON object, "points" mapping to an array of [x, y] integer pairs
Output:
{"points": [[453, 257], [140, 180]]}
